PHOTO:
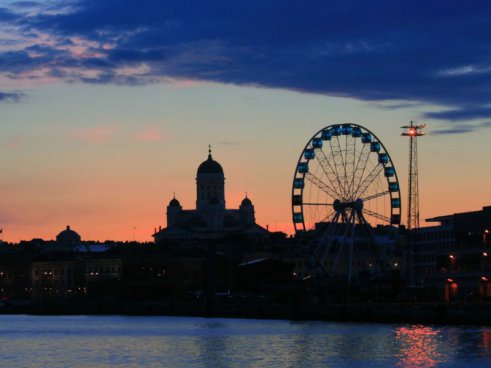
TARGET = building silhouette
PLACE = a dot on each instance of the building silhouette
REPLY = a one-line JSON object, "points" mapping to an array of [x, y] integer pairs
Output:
{"points": [[454, 258], [68, 237], [211, 219]]}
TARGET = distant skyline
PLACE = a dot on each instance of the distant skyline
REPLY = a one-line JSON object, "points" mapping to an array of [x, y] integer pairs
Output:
{"points": [[108, 107]]}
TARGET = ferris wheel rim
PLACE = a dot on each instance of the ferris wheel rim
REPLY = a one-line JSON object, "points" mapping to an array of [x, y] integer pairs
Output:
{"points": [[395, 211]]}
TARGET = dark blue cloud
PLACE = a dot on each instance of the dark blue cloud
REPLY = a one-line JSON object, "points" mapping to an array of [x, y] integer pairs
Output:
{"points": [[465, 113], [452, 131], [462, 128], [7, 16], [421, 51], [25, 4], [11, 96]]}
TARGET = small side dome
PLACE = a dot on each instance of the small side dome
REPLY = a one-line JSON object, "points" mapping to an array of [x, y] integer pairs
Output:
{"points": [[246, 202], [174, 203]]}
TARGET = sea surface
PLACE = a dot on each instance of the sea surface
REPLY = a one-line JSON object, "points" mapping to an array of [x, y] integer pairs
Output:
{"points": [[119, 341]]}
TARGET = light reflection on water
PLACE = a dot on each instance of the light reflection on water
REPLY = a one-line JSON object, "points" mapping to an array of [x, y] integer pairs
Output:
{"points": [[117, 341]]}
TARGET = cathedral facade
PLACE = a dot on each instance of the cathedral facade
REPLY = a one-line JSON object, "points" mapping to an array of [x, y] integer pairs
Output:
{"points": [[211, 219]]}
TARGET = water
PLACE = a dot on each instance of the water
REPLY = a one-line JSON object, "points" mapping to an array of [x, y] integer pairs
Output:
{"points": [[118, 341]]}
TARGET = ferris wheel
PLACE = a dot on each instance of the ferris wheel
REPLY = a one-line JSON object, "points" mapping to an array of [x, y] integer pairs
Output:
{"points": [[345, 185]]}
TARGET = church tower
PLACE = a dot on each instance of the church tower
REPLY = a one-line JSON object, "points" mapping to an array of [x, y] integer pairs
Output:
{"points": [[246, 210], [210, 188], [174, 210], [210, 185]]}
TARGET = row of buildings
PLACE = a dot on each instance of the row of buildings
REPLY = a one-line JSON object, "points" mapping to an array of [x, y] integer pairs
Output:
{"points": [[215, 249], [450, 260]]}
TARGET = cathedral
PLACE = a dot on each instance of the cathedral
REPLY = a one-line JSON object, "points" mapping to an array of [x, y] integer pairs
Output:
{"points": [[211, 219]]}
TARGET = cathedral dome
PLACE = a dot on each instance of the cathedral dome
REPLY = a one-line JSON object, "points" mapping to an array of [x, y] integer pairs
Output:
{"points": [[210, 166], [68, 236]]}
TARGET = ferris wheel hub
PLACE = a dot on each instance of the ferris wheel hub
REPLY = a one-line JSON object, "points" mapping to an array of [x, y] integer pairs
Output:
{"points": [[340, 206]]}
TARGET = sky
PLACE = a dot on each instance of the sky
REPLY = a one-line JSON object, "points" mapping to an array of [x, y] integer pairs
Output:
{"points": [[107, 107]]}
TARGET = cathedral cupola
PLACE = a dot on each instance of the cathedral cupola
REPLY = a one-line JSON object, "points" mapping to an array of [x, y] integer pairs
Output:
{"points": [[174, 210], [247, 212], [210, 166], [210, 185]]}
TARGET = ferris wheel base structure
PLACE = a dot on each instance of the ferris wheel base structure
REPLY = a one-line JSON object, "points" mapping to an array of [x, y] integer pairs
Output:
{"points": [[346, 201]]}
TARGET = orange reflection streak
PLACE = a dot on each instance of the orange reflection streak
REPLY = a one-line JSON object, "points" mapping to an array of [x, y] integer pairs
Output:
{"points": [[418, 346], [486, 340]]}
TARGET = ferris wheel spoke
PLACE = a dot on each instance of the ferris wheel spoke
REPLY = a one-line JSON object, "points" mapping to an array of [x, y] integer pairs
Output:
{"points": [[321, 185], [361, 165], [343, 164], [369, 180], [330, 214], [376, 215], [330, 172], [352, 160], [338, 163], [376, 195], [317, 204]]}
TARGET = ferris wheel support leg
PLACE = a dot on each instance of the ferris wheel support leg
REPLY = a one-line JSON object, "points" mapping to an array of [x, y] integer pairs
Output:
{"points": [[346, 220], [378, 250], [352, 244], [317, 259]]}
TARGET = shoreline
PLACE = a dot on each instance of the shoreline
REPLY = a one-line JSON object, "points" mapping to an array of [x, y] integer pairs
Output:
{"points": [[422, 313]]}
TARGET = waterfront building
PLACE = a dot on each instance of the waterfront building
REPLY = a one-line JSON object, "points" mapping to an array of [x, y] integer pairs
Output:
{"points": [[14, 274], [103, 276], [58, 277], [452, 259], [161, 274], [211, 219], [263, 274]]}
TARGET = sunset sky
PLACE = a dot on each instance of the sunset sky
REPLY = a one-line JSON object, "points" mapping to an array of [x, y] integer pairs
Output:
{"points": [[107, 107]]}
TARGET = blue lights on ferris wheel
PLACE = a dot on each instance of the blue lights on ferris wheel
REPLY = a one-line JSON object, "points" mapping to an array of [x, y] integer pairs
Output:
{"points": [[389, 172], [347, 129], [298, 183], [317, 142], [396, 202], [356, 132], [375, 147], [309, 154], [326, 135], [394, 187], [336, 130], [303, 167], [366, 138], [383, 158], [298, 217]]}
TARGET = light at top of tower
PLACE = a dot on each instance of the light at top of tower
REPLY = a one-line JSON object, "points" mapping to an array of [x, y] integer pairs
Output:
{"points": [[413, 130]]}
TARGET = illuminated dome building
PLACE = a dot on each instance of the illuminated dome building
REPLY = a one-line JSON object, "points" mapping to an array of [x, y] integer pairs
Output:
{"points": [[211, 219]]}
